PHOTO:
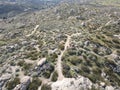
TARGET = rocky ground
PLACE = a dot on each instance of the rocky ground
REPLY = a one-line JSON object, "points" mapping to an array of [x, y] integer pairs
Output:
{"points": [[69, 47]]}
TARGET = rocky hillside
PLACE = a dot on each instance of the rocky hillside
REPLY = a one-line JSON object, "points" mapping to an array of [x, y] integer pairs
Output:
{"points": [[10, 8], [71, 46]]}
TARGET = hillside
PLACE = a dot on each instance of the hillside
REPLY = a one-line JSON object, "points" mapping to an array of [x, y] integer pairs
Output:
{"points": [[71, 46], [10, 8]]}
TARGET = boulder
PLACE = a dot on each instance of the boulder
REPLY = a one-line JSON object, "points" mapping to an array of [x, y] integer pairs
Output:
{"points": [[3, 79], [80, 83], [25, 80], [109, 88], [41, 62]]}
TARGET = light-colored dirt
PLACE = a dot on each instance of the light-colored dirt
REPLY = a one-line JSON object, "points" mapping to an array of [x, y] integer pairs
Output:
{"points": [[35, 29], [59, 62]]}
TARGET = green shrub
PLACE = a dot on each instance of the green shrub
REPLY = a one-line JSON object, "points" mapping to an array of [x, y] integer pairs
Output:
{"points": [[97, 71], [61, 46], [20, 63], [26, 66], [33, 55], [2, 42], [52, 57], [11, 84], [55, 76], [85, 69], [72, 52], [92, 57], [12, 63], [75, 60], [66, 71], [93, 78], [47, 74], [34, 85], [46, 87]]}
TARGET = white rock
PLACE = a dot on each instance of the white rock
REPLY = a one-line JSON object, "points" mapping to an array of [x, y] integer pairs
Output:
{"points": [[72, 84], [109, 88], [5, 77], [102, 84], [25, 80], [41, 62]]}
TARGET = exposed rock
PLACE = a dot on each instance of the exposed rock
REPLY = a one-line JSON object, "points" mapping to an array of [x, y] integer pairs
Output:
{"points": [[24, 43], [41, 62], [3, 79], [80, 18], [72, 84], [25, 81], [109, 88], [1, 30], [72, 12]]}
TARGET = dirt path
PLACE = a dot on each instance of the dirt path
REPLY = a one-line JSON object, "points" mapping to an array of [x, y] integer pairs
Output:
{"points": [[36, 27], [59, 62]]}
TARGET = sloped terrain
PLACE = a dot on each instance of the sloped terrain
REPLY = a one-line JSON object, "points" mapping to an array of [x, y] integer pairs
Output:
{"points": [[69, 47], [10, 8]]}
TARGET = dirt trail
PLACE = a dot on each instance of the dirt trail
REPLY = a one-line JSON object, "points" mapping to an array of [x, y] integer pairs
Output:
{"points": [[36, 27], [59, 62]]}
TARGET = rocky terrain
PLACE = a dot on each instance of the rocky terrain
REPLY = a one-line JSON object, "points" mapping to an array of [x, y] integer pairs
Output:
{"points": [[10, 8], [71, 46]]}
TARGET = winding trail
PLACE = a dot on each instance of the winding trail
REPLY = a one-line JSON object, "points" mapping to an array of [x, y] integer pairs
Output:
{"points": [[35, 29], [59, 62]]}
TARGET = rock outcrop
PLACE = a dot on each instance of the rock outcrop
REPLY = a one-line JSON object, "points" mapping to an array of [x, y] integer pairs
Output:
{"points": [[3, 79], [80, 83], [25, 81]]}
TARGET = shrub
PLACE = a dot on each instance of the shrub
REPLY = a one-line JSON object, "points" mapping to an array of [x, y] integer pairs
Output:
{"points": [[12, 63], [75, 60], [46, 87], [20, 63], [93, 78], [72, 52], [66, 71], [97, 71], [85, 69], [55, 76], [11, 84], [33, 55], [26, 66], [52, 57], [2, 42], [61, 46], [92, 57], [34, 85], [47, 74]]}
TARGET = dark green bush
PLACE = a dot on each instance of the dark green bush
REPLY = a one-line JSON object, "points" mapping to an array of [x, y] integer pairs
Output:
{"points": [[47, 74], [85, 69], [34, 85], [20, 63], [11, 84], [72, 52], [55, 76], [33, 55], [75, 60], [61, 46], [46, 87], [92, 57]]}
